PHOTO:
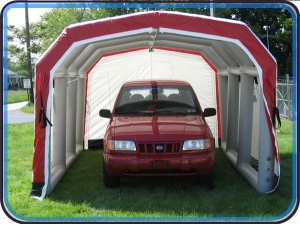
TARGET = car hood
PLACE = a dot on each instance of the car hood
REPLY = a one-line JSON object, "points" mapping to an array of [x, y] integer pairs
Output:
{"points": [[159, 128]]}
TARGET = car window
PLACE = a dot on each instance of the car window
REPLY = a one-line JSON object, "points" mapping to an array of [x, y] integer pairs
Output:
{"points": [[163, 100]]}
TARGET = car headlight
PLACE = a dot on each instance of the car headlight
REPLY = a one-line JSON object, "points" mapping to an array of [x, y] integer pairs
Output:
{"points": [[120, 145], [198, 144]]}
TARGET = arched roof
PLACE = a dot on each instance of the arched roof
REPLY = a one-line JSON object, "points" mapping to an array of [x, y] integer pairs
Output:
{"points": [[228, 44]]}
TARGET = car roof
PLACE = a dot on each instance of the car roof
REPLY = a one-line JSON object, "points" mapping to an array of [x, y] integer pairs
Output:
{"points": [[155, 83]]}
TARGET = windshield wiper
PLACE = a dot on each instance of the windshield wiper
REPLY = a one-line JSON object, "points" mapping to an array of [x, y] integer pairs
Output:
{"points": [[170, 112], [135, 112]]}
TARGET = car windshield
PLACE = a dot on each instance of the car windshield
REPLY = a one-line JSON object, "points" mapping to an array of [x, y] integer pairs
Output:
{"points": [[160, 100]]}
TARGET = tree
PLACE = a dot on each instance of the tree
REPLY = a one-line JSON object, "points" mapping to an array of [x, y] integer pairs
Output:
{"points": [[17, 56], [54, 22], [278, 21]]}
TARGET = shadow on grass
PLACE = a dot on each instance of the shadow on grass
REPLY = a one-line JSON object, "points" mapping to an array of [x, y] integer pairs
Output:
{"points": [[172, 196]]}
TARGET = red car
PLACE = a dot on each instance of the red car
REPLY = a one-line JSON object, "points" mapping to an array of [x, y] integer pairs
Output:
{"points": [[157, 128]]}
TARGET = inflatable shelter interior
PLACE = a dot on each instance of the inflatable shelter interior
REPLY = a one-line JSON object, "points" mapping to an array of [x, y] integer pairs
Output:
{"points": [[227, 65]]}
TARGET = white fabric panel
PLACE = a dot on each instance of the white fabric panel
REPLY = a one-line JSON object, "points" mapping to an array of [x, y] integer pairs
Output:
{"points": [[108, 75], [195, 70], [255, 121], [104, 82], [98, 86]]}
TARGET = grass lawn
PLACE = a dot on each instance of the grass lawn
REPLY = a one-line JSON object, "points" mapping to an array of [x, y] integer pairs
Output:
{"points": [[81, 197], [28, 108], [16, 96]]}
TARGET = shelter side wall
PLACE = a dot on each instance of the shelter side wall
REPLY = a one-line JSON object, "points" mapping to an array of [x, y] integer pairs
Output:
{"points": [[66, 138], [59, 110], [266, 164], [261, 177], [232, 112], [71, 118], [245, 130], [57, 165], [223, 92], [256, 119], [80, 114], [245, 119]]}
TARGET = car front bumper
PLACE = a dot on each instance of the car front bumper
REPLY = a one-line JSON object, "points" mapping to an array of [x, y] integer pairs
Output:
{"points": [[191, 163]]}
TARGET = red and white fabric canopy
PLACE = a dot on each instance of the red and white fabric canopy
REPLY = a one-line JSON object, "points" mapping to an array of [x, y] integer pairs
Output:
{"points": [[229, 46]]}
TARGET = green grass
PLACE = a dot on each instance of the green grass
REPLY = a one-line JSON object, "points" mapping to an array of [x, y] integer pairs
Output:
{"points": [[29, 108], [16, 96], [81, 196]]}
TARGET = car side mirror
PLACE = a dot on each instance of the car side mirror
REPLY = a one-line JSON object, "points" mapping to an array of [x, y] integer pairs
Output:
{"points": [[209, 112], [104, 113]]}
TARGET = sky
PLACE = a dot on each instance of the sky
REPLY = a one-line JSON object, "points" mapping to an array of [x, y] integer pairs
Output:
{"points": [[17, 17]]}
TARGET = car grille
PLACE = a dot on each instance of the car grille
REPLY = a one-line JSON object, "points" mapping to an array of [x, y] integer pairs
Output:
{"points": [[159, 148]]}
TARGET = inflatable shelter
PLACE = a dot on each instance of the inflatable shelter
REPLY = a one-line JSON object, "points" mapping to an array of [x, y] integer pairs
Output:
{"points": [[228, 66]]}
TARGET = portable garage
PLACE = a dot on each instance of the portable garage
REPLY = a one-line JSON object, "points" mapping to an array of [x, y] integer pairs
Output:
{"points": [[228, 66]]}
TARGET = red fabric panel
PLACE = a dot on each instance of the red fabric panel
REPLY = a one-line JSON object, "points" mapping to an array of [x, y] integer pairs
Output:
{"points": [[42, 82]]}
